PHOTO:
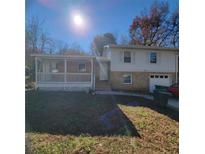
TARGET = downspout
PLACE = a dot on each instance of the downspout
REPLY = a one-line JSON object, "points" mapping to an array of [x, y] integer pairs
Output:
{"points": [[176, 67]]}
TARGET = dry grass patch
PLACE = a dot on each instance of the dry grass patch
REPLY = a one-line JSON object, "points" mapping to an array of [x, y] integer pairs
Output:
{"points": [[63, 122], [157, 131]]}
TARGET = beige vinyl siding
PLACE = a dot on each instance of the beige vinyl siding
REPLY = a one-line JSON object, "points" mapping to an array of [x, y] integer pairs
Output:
{"points": [[140, 61]]}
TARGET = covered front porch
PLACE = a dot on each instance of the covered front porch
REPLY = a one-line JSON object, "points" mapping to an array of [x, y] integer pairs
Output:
{"points": [[64, 72]]}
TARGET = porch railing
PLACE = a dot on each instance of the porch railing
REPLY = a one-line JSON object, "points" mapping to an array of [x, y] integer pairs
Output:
{"points": [[64, 77]]}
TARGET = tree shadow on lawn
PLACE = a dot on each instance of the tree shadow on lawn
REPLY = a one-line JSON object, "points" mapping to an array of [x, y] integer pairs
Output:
{"points": [[75, 113]]}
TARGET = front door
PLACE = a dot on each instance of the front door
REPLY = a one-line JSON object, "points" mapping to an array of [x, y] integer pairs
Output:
{"points": [[103, 71]]}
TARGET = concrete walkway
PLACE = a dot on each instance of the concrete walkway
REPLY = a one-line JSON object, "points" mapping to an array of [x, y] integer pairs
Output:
{"points": [[173, 103], [29, 89], [124, 94]]}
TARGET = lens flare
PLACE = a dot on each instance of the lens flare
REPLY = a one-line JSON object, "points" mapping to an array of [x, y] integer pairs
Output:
{"points": [[78, 20]]}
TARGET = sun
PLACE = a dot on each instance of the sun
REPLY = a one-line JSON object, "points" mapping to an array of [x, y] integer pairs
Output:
{"points": [[78, 20]]}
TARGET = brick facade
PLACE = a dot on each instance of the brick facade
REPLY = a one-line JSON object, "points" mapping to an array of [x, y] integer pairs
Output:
{"points": [[73, 66], [140, 80]]}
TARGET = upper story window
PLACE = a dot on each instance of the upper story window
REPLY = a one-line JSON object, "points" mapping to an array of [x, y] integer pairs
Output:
{"points": [[127, 57], [153, 57], [82, 67]]}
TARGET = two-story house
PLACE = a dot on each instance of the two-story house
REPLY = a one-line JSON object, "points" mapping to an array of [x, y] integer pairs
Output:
{"points": [[140, 67], [122, 67]]}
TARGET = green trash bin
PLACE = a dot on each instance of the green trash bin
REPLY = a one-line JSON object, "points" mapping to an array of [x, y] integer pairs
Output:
{"points": [[161, 98], [161, 88]]}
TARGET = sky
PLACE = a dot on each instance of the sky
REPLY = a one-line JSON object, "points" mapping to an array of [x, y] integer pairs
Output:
{"points": [[79, 21]]}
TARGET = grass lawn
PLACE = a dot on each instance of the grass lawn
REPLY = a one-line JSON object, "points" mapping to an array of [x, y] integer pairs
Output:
{"points": [[73, 122]]}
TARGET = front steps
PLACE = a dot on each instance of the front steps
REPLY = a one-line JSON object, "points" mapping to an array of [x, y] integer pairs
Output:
{"points": [[103, 86]]}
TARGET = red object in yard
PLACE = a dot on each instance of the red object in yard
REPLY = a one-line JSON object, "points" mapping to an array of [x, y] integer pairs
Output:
{"points": [[174, 89]]}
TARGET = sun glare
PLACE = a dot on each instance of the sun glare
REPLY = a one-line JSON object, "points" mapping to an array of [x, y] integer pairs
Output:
{"points": [[78, 20]]}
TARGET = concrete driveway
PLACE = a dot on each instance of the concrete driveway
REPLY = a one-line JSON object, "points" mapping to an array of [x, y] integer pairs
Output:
{"points": [[173, 103]]}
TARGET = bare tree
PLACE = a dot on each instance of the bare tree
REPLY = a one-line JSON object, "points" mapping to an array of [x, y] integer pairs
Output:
{"points": [[38, 40], [43, 41], [100, 41], [61, 47], [35, 41], [123, 40], [33, 33], [174, 21], [50, 43]]}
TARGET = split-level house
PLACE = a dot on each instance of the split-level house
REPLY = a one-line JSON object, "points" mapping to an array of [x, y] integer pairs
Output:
{"points": [[121, 67]]}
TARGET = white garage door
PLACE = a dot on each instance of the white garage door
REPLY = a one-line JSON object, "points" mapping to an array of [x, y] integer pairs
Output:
{"points": [[159, 79]]}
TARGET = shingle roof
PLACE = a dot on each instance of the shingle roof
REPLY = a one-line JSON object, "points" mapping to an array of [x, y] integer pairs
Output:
{"points": [[141, 47]]}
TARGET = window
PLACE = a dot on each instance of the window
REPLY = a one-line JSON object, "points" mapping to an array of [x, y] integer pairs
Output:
{"points": [[152, 76], [153, 57], [60, 66], [82, 68], [161, 76], [127, 79], [55, 66], [127, 57]]}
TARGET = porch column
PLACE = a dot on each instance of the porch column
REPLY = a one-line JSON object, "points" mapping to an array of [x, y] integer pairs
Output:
{"points": [[36, 71], [65, 70]]}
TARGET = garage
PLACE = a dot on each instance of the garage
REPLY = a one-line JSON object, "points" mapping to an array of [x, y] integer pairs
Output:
{"points": [[159, 79]]}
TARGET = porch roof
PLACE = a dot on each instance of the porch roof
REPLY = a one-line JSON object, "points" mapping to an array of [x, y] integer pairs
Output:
{"points": [[49, 56], [61, 56]]}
